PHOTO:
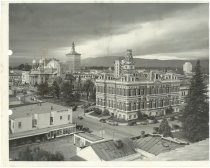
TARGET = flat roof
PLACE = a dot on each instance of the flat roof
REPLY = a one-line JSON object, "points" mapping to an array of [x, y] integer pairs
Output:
{"points": [[38, 131], [30, 109], [88, 136]]}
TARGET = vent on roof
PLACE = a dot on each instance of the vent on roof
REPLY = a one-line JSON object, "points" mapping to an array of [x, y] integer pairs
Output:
{"points": [[142, 134], [118, 143]]}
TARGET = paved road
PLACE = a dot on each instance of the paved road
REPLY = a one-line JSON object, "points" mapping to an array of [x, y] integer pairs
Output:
{"points": [[113, 131]]}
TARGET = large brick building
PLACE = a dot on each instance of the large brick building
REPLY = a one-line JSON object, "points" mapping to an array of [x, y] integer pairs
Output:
{"points": [[148, 92]]}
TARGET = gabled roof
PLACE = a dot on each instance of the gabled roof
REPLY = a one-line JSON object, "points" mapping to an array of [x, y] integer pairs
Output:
{"points": [[156, 144], [193, 152], [109, 150]]}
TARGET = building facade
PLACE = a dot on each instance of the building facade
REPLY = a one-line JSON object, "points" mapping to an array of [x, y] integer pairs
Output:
{"points": [[73, 60], [187, 67], [44, 71], [150, 93], [15, 77], [42, 120], [25, 77]]}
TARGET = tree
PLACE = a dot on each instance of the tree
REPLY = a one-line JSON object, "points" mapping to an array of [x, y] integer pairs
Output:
{"points": [[55, 90], [88, 87], [106, 112], [67, 90], [43, 89], [140, 116], [38, 154], [169, 110], [195, 117], [165, 129]]}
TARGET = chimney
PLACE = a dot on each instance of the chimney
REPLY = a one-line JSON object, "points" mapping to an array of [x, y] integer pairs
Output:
{"points": [[142, 134], [118, 143]]}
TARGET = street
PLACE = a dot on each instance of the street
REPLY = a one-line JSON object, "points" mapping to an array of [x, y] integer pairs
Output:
{"points": [[115, 132]]}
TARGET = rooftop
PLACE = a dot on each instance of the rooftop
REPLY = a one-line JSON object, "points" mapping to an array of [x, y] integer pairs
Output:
{"points": [[156, 144], [111, 150], [193, 152], [28, 110], [88, 136]]}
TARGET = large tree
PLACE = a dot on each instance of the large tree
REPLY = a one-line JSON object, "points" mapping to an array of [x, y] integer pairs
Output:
{"points": [[195, 120], [43, 89], [88, 88], [67, 90], [55, 90]]}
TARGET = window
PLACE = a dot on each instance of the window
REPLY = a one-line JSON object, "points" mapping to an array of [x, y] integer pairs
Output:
{"points": [[34, 123], [19, 124], [51, 120], [60, 117]]}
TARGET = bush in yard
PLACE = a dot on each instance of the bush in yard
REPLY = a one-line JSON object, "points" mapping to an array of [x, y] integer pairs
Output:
{"points": [[165, 129], [175, 127], [155, 130], [131, 123], [106, 112], [155, 121], [98, 111], [74, 108]]}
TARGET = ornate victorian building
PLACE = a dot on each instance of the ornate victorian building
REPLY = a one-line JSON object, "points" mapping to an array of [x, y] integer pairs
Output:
{"points": [[132, 92], [44, 70]]}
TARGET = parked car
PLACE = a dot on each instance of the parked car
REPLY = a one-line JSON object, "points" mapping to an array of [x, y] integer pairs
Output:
{"points": [[80, 117], [143, 123], [114, 123], [103, 120]]}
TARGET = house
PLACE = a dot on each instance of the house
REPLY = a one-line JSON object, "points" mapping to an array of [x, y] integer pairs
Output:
{"points": [[108, 150], [40, 121]]}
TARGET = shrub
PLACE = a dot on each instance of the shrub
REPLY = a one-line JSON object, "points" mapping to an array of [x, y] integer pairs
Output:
{"points": [[155, 120], [38, 154], [74, 108], [106, 112], [172, 118], [155, 130], [175, 126], [98, 111], [131, 123]]}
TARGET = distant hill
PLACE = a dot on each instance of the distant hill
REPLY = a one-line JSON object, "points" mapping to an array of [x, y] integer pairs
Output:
{"points": [[109, 61]]}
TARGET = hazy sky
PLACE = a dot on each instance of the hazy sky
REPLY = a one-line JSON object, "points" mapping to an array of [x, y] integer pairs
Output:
{"points": [[153, 31]]}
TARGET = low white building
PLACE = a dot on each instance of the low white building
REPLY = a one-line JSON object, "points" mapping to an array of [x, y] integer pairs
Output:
{"points": [[25, 77], [39, 121], [187, 67]]}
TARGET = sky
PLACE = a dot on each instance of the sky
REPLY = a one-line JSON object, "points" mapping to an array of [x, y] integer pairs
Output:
{"points": [[153, 31]]}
